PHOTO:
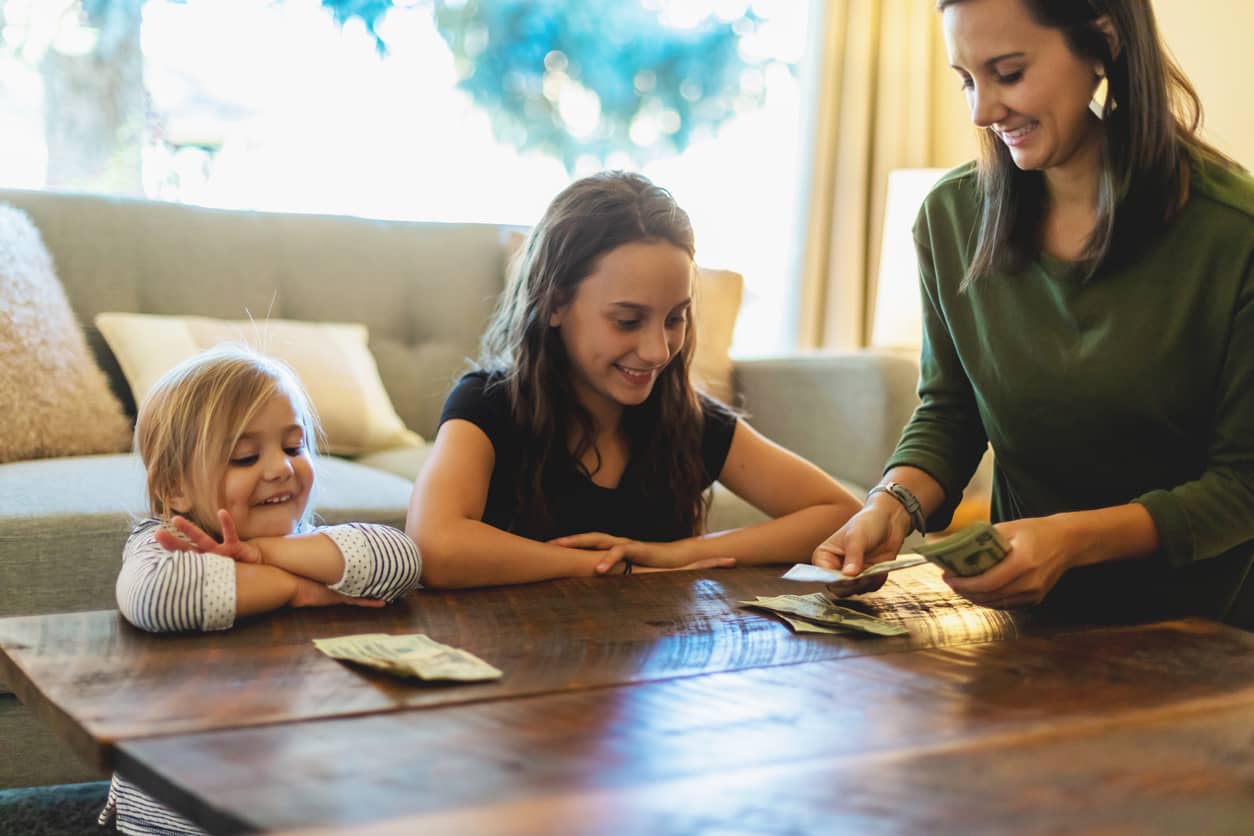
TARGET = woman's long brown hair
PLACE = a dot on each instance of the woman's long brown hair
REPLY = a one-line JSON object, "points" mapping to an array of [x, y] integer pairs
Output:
{"points": [[584, 222], [1150, 137]]}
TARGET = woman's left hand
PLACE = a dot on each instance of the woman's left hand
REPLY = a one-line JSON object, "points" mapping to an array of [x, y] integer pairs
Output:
{"points": [[649, 556], [1039, 554]]}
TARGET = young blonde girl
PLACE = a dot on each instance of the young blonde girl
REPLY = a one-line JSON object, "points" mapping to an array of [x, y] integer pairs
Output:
{"points": [[227, 439], [580, 446]]}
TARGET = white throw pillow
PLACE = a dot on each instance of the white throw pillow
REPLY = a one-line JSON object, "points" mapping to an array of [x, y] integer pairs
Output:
{"points": [[331, 359]]}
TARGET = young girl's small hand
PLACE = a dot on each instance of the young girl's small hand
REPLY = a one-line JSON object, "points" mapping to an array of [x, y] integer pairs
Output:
{"points": [[314, 594], [194, 538]]}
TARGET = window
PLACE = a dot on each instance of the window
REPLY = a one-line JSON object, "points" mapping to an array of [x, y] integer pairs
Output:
{"points": [[395, 109]]}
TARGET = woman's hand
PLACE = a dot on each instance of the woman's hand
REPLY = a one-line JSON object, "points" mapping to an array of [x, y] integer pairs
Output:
{"points": [[1039, 554], [872, 535], [650, 557], [194, 538], [314, 594]]}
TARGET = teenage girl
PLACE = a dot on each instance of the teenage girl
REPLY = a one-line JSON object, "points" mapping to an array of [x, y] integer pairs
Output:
{"points": [[580, 446]]}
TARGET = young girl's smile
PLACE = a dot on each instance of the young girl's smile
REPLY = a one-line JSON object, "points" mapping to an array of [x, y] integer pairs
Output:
{"points": [[626, 322], [267, 480]]}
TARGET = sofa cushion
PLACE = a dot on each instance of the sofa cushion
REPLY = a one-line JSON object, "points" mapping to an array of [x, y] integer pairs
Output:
{"points": [[63, 523], [54, 399], [404, 462], [424, 290], [719, 294], [331, 359]]}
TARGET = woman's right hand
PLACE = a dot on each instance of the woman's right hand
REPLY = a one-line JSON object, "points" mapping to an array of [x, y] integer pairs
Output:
{"points": [[873, 535]]}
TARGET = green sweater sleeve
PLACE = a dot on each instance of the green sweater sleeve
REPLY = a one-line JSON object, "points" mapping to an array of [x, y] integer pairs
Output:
{"points": [[945, 437], [1214, 513]]}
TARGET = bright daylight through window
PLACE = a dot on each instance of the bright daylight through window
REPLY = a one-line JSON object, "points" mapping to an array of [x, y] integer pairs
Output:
{"points": [[438, 110]]}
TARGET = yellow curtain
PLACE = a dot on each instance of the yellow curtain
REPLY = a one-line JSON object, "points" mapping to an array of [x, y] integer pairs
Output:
{"points": [[876, 111]]}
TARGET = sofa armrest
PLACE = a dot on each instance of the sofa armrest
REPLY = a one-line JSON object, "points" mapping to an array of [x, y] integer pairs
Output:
{"points": [[844, 411]]}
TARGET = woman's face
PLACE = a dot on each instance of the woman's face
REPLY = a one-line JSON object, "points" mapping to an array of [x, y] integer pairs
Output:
{"points": [[626, 323], [1024, 84]]}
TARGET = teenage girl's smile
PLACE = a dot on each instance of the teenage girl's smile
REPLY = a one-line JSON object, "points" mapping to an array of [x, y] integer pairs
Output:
{"points": [[627, 321], [639, 377]]}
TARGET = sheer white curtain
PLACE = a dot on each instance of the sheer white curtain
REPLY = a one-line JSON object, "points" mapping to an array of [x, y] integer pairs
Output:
{"points": [[876, 111]]}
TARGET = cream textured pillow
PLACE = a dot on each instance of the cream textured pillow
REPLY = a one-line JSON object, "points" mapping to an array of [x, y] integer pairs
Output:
{"points": [[54, 399], [331, 359], [718, 303]]}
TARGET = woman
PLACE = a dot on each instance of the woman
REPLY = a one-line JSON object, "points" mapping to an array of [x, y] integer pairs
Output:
{"points": [[1088, 303]]}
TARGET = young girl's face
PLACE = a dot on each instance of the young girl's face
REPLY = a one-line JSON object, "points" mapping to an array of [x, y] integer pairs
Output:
{"points": [[269, 474], [626, 322]]}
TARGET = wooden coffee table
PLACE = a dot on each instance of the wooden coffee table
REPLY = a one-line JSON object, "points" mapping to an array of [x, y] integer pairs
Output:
{"points": [[656, 704]]}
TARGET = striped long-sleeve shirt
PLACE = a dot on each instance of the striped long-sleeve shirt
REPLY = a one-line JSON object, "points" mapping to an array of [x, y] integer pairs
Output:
{"points": [[168, 591], [165, 591]]}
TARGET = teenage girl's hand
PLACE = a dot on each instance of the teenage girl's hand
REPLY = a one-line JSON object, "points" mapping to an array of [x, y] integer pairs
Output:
{"points": [[1039, 554], [314, 594], [649, 557], [195, 539], [871, 536]]}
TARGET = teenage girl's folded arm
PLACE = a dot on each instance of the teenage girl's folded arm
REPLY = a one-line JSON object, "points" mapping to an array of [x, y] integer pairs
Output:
{"points": [[803, 501], [446, 521]]}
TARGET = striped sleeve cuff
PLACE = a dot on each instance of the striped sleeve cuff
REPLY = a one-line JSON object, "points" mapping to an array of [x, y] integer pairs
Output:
{"points": [[219, 592], [356, 552], [379, 561]]}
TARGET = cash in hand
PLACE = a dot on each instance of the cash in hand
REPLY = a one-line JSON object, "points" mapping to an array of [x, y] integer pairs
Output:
{"points": [[971, 551]]}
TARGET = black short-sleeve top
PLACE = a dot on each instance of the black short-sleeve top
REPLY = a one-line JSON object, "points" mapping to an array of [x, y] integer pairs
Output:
{"points": [[632, 509]]}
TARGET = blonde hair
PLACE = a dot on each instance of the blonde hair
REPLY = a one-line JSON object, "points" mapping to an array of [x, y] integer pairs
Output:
{"points": [[191, 420]]}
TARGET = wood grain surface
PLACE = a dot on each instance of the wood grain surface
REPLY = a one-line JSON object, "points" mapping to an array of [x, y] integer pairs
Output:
{"points": [[1111, 730], [96, 680]]}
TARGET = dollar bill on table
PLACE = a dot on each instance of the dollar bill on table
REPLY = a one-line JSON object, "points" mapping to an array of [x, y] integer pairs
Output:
{"points": [[971, 551], [413, 655], [800, 625], [817, 609]]}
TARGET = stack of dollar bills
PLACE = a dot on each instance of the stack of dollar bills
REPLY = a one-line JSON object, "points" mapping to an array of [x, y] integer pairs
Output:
{"points": [[971, 551], [814, 613], [413, 656]]}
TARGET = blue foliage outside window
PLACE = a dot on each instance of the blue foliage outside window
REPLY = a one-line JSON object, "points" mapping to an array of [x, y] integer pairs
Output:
{"points": [[523, 61]]}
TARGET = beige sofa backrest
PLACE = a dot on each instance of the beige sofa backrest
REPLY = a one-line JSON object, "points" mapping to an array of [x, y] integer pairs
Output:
{"points": [[425, 290]]}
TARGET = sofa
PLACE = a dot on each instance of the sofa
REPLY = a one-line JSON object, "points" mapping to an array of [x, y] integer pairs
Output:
{"points": [[424, 290]]}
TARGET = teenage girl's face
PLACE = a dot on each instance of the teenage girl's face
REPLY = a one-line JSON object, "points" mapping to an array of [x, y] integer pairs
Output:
{"points": [[1024, 84], [626, 322], [269, 474]]}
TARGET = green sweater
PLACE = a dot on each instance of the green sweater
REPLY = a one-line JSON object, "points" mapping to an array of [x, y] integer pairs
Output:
{"points": [[1135, 386]]}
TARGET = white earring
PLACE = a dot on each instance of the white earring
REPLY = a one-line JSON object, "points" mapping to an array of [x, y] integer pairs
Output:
{"points": [[1101, 96]]}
